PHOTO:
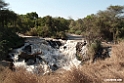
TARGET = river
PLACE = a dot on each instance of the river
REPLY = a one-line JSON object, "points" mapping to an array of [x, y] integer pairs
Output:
{"points": [[47, 54]]}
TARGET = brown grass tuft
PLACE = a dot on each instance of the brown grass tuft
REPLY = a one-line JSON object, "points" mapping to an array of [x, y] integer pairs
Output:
{"points": [[21, 77], [77, 76], [118, 53]]}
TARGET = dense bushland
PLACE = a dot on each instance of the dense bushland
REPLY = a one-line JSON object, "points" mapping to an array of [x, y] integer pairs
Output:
{"points": [[8, 41], [107, 24]]}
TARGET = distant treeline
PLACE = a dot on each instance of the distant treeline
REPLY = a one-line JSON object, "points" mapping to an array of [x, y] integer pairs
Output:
{"points": [[107, 25]]}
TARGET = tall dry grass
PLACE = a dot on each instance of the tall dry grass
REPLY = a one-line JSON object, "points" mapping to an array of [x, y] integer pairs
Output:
{"points": [[21, 76], [97, 72], [118, 53], [110, 68]]}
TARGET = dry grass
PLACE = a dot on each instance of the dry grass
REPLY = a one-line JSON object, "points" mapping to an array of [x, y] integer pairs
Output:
{"points": [[97, 72], [110, 68], [74, 76]]}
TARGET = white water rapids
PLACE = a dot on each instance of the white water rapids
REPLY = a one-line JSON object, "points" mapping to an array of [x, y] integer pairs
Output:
{"points": [[64, 57]]}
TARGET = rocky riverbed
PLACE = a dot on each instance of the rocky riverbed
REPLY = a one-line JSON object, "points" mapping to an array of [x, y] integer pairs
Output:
{"points": [[48, 55]]}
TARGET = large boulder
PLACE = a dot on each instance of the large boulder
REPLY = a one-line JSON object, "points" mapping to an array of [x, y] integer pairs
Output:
{"points": [[28, 57], [27, 49], [81, 51]]}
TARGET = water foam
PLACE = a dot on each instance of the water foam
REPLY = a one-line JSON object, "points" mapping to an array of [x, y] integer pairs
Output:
{"points": [[64, 57]]}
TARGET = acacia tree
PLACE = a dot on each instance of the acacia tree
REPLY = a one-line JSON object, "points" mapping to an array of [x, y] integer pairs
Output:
{"points": [[110, 22], [116, 13], [91, 30]]}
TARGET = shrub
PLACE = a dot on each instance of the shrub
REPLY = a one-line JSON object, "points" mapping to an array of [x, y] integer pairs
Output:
{"points": [[8, 41], [71, 30], [94, 49], [58, 35], [61, 35], [78, 32], [32, 32]]}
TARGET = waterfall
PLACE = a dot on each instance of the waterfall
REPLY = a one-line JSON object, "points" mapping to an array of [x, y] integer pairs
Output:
{"points": [[46, 54]]}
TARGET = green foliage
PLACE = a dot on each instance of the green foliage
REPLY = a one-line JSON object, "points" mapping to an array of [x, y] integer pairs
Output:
{"points": [[32, 32], [76, 27], [94, 49], [7, 17], [107, 24], [8, 41], [8, 38], [95, 46], [78, 32], [79, 57], [71, 30], [48, 27], [2, 49], [61, 35]]}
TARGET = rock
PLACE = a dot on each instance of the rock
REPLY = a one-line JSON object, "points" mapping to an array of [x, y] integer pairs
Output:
{"points": [[105, 52], [54, 67], [80, 45], [54, 44], [65, 47], [81, 51], [9, 57], [27, 49], [27, 57]]}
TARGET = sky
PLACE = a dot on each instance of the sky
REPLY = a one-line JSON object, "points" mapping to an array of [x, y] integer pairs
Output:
{"points": [[74, 9]]}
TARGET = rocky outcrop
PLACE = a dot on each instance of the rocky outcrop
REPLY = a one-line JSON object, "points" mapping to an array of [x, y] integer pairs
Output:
{"points": [[28, 57], [81, 51], [54, 44], [80, 45], [27, 49]]}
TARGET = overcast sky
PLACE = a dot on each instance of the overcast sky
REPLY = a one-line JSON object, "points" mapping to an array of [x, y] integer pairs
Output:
{"points": [[63, 8]]}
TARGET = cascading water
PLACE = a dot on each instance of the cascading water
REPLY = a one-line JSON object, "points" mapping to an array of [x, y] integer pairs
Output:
{"points": [[39, 53]]}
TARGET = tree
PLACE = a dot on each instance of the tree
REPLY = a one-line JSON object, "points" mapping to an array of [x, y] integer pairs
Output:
{"points": [[91, 30], [2, 12], [33, 16], [3, 5], [8, 38], [76, 27], [116, 12], [6, 15], [109, 21]]}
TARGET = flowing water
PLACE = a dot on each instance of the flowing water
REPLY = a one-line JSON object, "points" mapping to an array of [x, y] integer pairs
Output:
{"points": [[49, 55]]}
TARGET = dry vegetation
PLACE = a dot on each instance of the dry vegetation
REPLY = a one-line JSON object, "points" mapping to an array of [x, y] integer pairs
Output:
{"points": [[96, 72]]}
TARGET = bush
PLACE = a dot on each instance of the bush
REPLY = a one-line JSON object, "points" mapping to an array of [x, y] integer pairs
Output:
{"points": [[71, 30], [78, 32], [32, 32], [94, 49], [8, 41], [61, 35]]}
